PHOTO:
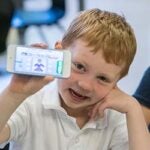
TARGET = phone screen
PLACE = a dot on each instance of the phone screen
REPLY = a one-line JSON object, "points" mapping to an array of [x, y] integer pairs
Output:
{"points": [[42, 62]]}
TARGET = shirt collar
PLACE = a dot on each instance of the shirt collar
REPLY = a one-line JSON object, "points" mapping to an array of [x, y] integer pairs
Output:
{"points": [[99, 123], [51, 99]]}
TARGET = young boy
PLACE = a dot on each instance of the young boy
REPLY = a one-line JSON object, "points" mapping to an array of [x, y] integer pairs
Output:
{"points": [[83, 111]]}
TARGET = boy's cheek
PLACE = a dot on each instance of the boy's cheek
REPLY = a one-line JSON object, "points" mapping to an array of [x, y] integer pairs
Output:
{"points": [[103, 92]]}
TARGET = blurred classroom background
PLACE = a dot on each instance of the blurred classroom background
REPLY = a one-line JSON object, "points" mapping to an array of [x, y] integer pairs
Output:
{"points": [[136, 12]]}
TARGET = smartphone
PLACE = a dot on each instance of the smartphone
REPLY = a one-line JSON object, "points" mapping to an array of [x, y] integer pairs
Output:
{"points": [[38, 61]]}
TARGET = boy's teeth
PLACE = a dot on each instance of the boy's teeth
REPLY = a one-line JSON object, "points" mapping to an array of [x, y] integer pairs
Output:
{"points": [[77, 94]]}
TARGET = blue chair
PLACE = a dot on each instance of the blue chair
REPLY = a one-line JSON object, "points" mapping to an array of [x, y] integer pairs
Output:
{"points": [[22, 19]]}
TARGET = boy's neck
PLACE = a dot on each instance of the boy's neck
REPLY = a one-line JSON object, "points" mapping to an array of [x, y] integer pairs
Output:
{"points": [[81, 115]]}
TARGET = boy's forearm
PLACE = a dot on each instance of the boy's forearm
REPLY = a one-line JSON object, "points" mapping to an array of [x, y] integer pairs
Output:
{"points": [[139, 137], [9, 101]]}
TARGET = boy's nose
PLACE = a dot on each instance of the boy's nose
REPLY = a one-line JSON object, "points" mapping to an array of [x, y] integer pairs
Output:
{"points": [[86, 85]]}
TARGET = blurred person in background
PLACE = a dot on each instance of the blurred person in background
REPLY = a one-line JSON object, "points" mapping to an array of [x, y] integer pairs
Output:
{"points": [[142, 94], [7, 8]]}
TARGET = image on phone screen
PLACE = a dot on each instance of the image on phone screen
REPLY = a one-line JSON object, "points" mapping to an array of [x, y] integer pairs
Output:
{"points": [[40, 62]]}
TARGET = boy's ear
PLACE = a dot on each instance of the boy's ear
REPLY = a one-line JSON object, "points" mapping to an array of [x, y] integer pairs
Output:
{"points": [[58, 45]]}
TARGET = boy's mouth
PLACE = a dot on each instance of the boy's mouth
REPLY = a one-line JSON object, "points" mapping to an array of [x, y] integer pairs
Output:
{"points": [[77, 96]]}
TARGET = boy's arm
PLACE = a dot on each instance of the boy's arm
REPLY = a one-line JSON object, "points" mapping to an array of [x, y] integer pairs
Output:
{"points": [[139, 137], [5, 134], [9, 101], [16, 92]]}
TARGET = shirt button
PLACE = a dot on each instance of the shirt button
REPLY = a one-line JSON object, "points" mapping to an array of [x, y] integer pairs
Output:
{"points": [[85, 133], [76, 140]]}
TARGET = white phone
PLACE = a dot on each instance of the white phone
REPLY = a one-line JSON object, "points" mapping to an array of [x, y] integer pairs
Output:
{"points": [[38, 61]]}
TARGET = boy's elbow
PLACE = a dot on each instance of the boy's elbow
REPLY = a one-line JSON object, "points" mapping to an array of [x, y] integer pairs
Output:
{"points": [[5, 134]]}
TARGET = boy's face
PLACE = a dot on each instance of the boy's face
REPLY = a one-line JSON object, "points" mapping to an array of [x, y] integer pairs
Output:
{"points": [[91, 78]]}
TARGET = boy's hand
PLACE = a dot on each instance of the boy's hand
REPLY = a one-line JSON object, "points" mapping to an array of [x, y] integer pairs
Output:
{"points": [[28, 85], [117, 100]]}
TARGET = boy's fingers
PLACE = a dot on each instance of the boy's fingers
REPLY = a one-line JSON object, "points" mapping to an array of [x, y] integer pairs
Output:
{"points": [[95, 110], [41, 45], [104, 105], [58, 45], [99, 108], [48, 79]]}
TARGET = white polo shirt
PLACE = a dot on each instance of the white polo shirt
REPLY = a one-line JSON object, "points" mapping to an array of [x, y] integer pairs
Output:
{"points": [[40, 123]]}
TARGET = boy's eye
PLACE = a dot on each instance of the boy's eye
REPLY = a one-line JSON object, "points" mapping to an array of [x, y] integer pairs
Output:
{"points": [[103, 78], [78, 67]]}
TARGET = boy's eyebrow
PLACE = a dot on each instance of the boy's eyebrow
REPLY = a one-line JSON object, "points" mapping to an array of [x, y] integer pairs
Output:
{"points": [[104, 74], [110, 77], [78, 59]]}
